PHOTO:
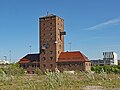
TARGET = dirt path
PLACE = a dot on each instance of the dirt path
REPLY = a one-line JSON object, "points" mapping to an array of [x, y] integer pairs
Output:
{"points": [[99, 88]]}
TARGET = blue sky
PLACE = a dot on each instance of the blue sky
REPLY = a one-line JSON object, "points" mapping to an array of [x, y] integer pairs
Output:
{"points": [[92, 26]]}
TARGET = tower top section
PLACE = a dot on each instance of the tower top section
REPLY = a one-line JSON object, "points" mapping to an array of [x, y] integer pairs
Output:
{"points": [[49, 16]]}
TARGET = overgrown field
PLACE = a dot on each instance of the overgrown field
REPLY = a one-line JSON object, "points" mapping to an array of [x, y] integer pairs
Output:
{"points": [[16, 80]]}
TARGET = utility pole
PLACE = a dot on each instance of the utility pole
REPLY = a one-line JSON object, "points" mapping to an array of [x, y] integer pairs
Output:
{"points": [[70, 45], [10, 55], [30, 48]]}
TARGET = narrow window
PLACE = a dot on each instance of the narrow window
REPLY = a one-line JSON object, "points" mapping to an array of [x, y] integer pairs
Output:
{"points": [[51, 58], [51, 65], [32, 65], [51, 39], [44, 58], [44, 65], [51, 52], [43, 52]]}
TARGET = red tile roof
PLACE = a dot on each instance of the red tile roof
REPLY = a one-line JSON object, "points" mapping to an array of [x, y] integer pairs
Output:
{"points": [[24, 60], [72, 57], [30, 58]]}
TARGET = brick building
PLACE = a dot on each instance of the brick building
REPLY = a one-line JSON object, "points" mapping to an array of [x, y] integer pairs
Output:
{"points": [[51, 41], [73, 61], [52, 53], [30, 62]]}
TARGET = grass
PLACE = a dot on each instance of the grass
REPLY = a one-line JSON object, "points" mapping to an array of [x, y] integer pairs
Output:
{"points": [[59, 81]]}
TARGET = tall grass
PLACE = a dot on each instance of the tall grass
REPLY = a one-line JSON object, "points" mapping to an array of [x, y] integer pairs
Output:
{"points": [[57, 81]]}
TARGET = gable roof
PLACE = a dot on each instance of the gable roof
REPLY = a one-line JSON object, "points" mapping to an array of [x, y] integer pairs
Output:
{"points": [[30, 58], [72, 57]]}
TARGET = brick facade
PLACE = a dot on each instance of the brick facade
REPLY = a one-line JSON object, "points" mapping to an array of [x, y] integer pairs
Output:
{"points": [[51, 41]]}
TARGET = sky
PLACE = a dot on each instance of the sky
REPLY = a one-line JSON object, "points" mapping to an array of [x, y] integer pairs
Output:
{"points": [[92, 26]]}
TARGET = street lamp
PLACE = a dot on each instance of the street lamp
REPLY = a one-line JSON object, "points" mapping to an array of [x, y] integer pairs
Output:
{"points": [[30, 48], [70, 45], [10, 55]]}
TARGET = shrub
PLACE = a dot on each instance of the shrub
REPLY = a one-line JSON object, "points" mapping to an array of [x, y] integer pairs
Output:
{"points": [[14, 70]]}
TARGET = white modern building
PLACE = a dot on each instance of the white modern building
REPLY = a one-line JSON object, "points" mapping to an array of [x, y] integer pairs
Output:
{"points": [[110, 58], [4, 62]]}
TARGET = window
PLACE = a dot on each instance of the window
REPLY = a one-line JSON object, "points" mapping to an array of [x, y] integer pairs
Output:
{"points": [[50, 28], [51, 23], [50, 33], [24, 65], [58, 23], [43, 52], [51, 52], [44, 58], [51, 58], [60, 46], [33, 65], [58, 52], [44, 34], [44, 24], [44, 65], [33, 72], [50, 38], [51, 65]]}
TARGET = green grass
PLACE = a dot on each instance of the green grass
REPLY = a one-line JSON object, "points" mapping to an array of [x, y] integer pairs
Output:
{"points": [[59, 81]]}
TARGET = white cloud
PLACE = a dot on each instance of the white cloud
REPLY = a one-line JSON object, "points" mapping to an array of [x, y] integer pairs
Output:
{"points": [[104, 24]]}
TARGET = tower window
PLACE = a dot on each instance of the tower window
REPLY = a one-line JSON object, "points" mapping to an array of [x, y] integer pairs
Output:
{"points": [[60, 46], [58, 23], [50, 38], [44, 52], [51, 52], [50, 28], [58, 52], [51, 65], [51, 23], [50, 33], [44, 34], [44, 58], [51, 58], [44, 24], [44, 65]]}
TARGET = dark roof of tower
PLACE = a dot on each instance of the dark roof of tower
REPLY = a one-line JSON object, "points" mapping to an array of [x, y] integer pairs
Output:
{"points": [[50, 15]]}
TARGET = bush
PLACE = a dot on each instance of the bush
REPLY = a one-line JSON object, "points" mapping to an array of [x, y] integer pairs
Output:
{"points": [[14, 70], [108, 69]]}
